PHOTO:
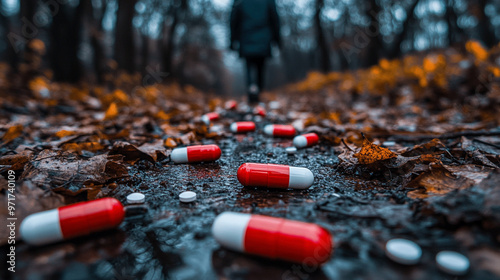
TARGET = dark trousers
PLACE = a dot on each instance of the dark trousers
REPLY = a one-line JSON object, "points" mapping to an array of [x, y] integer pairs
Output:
{"points": [[255, 71]]}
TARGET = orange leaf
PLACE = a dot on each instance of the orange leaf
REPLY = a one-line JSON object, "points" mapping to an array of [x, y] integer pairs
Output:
{"points": [[64, 133], [112, 112], [371, 153], [12, 133], [170, 143]]}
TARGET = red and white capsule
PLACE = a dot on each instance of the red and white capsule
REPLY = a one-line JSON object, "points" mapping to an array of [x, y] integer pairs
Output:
{"points": [[274, 176], [242, 127], [231, 105], [279, 130], [259, 110], [196, 154], [273, 238], [72, 221], [210, 117], [305, 140]]}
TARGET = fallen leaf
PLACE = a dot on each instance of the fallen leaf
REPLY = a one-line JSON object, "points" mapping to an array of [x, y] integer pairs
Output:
{"points": [[371, 153], [12, 133], [112, 112], [437, 181]]}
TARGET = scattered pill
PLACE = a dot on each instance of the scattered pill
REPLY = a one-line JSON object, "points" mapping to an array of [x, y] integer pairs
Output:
{"points": [[274, 176], [71, 221], [187, 197], [259, 110], [242, 127], [389, 143], [274, 105], [231, 105], [196, 154], [452, 262], [274, 238], [136, 198], [291, 150], [305, 140], [210, 117], [403, 251], [279, 130]]}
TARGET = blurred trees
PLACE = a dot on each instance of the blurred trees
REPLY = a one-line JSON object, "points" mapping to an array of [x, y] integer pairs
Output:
{"points": [[186, 40]]}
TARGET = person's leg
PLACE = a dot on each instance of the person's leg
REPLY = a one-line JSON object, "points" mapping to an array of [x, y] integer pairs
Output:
{"points": [[260, 62], [252, 79]]}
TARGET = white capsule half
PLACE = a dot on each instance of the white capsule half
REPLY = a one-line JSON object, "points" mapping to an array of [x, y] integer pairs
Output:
{"points": [[300, 178], [41, 228], [205, 119], [229, 230], [300, 141], [179, 155], [234, 127], [269, 129]]}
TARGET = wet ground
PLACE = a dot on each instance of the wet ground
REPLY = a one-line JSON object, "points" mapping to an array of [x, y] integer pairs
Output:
{"points": [[173, 239]]}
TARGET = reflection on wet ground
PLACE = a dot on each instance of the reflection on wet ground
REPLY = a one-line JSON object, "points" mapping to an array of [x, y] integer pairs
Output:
{"points": [[173, 240]]}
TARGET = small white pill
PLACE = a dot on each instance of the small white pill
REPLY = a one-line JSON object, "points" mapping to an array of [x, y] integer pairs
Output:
{"points": [[136, 198], [452, 262], [187, 196], [291, 150], [403, 251]]}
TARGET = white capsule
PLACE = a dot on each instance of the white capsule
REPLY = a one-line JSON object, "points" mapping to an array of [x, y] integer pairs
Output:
{"points": [[136, 198], [452, 262], [403, 251], [187, 197], [179, 155]]}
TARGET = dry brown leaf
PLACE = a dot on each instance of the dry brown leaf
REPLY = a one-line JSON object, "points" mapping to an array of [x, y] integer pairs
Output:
{"points": [[371, 153], [437, 181]]}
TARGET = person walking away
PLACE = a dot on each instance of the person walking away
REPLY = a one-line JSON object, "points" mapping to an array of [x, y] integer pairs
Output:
{"points": [[255, 26]]}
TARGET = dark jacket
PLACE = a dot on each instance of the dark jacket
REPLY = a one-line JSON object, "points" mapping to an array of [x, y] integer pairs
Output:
{"points": [[254, 26]]}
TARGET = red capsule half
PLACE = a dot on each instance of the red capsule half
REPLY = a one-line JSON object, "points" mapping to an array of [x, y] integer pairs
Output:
{"points": [[71, 221], [274, 176], [242, 127], [196, 154], [274, 238], [279, 130]]}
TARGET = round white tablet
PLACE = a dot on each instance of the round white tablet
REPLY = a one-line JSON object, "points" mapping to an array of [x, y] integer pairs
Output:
{"points": [[136, 198], [452, 262], [403, 251], [187, 196], [291, 150]]}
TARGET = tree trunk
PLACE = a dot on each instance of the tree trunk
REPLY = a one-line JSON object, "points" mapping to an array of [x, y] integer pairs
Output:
{"points": [[410, 16], [455, 33], [373, 51], [322, 44], [168, 50], [65, 33], [96, 38], [486, 33], [124, 48]]}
